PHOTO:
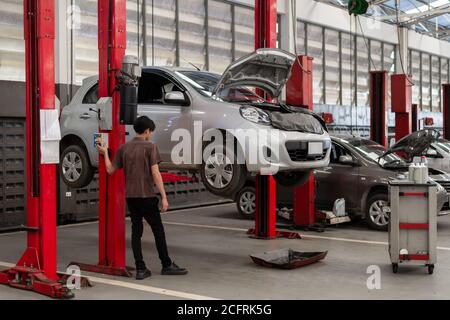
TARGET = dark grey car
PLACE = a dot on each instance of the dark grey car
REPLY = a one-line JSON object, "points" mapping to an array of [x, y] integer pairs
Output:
{"points": [[359, 172]]}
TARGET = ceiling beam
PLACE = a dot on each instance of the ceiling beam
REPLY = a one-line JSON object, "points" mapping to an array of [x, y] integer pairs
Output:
{"points": [[427, 15]]}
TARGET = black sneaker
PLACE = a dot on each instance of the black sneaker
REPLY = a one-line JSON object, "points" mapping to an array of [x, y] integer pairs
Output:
{"points": [[174, 270], [143, 274]]}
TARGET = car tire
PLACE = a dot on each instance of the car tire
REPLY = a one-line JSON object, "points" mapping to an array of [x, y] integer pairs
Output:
{"points": [[246, 203], [75, 167], [378, 212], [224, 179], [292, 178]]}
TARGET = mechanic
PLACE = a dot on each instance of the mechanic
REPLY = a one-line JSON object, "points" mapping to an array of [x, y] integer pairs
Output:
{"points": [[140, 160]]}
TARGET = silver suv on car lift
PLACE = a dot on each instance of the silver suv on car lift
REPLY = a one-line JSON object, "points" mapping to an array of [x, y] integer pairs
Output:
{"points": [[296, 140]]}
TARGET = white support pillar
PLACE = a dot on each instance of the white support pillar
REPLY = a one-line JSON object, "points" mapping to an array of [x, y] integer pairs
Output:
{"points": [[287, 27], [402, 51]]}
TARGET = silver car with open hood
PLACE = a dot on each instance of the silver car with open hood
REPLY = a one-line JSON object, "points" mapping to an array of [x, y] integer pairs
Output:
{"points": [[189, 104]]}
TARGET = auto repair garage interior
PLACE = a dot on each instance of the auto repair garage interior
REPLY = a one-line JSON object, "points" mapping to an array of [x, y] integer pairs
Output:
{"points": [[353, 206]]}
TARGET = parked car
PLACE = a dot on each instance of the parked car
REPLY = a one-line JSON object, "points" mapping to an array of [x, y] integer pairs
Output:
{"points": [[438, 154], [359, 172], [177, 98]]}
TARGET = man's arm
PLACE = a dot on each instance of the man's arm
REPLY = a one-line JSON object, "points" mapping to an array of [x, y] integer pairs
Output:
{"points": [[110, 169], [157, 178]]}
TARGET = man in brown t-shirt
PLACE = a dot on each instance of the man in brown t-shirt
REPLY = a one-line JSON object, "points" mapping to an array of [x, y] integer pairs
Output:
{"points": [[140, 160]]}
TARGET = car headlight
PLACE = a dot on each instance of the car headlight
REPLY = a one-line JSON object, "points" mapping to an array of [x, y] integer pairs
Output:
{"points": [[255, 115]]}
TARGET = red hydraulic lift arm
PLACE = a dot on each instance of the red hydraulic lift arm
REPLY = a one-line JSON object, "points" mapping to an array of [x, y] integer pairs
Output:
{"points": [[111, 211], [36, 270]]}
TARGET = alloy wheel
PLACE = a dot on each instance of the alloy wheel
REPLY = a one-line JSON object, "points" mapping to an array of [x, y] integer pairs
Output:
{"points": [[219, 170], [380, 213], [72, 167], [247, 203]]}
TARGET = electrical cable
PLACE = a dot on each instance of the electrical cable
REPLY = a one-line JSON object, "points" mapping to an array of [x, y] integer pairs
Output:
{"points": [[397, 10]]}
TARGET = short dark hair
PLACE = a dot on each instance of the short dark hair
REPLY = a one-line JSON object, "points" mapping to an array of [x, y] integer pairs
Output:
{"points": [[143, 123]]}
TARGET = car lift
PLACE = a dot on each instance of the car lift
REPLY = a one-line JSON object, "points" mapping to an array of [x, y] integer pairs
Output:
{"points": [[401, 91], [299, 93], [36, 270], [378, 107], [111, 211], [446, 109]]}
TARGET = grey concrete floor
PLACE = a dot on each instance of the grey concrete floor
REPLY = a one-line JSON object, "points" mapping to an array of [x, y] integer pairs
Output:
{"points": [[211, 242]]}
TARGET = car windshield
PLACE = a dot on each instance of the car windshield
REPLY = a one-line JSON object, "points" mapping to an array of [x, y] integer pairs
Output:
{"points": [[444, 144], [374, 152], [205, 83]]}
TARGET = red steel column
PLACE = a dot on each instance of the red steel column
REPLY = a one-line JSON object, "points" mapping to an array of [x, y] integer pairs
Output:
{"points": [[401, 90], [300, 93], [36, 270], [112, 45], [446, 109], [266, 208], [378, 107], [111, 210]]}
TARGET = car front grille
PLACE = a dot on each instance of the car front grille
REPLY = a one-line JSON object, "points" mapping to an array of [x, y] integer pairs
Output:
{"points": [[298, 152]]}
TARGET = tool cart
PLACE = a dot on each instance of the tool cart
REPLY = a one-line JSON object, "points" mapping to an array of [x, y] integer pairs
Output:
{"points": [[413, 227]]}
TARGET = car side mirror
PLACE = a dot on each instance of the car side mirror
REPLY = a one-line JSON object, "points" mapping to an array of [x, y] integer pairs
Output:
{"points": [[432, 153], [347, 160], [176, 97]]}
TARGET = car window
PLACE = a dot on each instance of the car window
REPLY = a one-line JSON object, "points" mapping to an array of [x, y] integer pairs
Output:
{"points": [[337, 152], [91, 96], [153, 88]]}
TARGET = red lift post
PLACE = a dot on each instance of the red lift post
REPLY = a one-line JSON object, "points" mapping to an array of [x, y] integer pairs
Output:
{"points": [[378, 107], [36, 270], [401, 91], [266, 204], [299, 93], [446, 109], [112, 46]]}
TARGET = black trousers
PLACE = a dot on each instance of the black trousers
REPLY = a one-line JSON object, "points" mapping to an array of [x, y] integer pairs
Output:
{"points": [[147, 209]]}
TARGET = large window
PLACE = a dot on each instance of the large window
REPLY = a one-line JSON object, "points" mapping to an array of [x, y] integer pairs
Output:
{"points": [[192, 33], [244, 31], [348, 69], [376, 54], [332, 72], [415, 71], [362, 68], [315, 50], [220, 35], [85, 43], [161, 33], [12, 48], [435, 84], [426, 82], [301, 38]]}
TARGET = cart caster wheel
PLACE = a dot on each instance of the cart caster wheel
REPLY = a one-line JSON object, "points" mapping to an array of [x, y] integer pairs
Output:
{"points": [[431, 269], [395, 268]]}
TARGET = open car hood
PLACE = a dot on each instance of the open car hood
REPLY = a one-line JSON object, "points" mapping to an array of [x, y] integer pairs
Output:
{"points": [[416, 143], [267, 69]]}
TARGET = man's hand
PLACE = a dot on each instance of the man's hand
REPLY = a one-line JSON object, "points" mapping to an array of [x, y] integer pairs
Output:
{"points": [[164, 205], [101, 148]]}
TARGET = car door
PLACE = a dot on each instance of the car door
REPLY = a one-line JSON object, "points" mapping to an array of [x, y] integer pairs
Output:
{"points": [[168, 116], [337, 181]]}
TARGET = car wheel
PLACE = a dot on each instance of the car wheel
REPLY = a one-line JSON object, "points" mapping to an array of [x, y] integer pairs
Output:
{"points": [[378, 212], [292, 178], [76, 170], [221, 175], [246, 202]]}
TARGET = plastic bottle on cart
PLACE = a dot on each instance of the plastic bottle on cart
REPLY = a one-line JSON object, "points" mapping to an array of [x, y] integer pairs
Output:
{"points": [[425, 174]]}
